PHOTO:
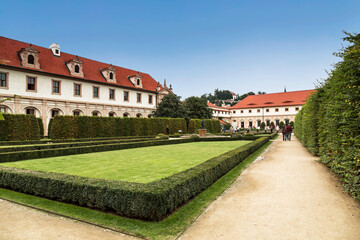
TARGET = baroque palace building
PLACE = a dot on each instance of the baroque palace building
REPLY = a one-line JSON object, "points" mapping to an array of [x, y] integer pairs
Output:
{"points": [[274, 107], [47, 82]]}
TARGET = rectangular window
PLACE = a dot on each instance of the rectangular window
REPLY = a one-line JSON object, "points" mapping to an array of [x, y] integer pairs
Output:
{"points": [[150, 99], [31, 84], [30, 111], [267, 110], [95, 92], [76, 113], [95, 113], [286, 109], [268, 123], [242, 111], [250, 111], [54, 113], [234, 111], [242, 124], [258, 110], [55, 87], [138, 97], [112, 94], [258, 123], [77, 89], [277, 122], [296, 109], [111, 114], [3, 109], [276, 109], [3, 80], [126, 96]]}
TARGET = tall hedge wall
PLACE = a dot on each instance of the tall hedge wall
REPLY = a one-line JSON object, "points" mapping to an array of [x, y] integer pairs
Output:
{"points": [[63, 127], [19, 127], [329, 122], [211, 125]]}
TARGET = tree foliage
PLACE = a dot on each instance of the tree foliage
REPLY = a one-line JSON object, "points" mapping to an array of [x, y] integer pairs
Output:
{"points": [[171, 107], [328, 124], [197, 108]]}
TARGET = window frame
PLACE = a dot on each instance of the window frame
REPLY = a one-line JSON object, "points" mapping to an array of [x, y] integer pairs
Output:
{"points": [[137, 98], [30, 108], [286, 109], [126, 96], [150, 99], [113, 89], [98, 91], [78, 68], [52, 87], [35, 83], [75, 95], [33, 59], [6, 80]]}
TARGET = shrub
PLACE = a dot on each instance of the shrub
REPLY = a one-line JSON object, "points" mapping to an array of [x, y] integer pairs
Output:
{"points": [[328, 124], [262, 126], [64, 127], [41, 127], [151, 201], [19, 127]]}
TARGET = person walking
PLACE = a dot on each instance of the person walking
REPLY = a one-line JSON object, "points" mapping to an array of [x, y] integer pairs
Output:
{"points": [[288, 131], [283, 130]]}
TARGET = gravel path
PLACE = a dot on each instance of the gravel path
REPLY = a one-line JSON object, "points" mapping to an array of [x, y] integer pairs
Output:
{"points": [[285, 195]]}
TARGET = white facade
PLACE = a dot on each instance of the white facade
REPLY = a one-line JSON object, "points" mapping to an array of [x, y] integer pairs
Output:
{"points": [[44, 101], [245, 117]]}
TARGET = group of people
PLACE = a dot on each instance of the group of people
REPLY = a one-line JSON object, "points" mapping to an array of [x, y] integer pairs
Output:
{"points": [[286, 132]]}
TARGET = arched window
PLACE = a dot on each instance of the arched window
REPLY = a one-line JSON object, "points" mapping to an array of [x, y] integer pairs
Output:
{"points": [[126, 115], [139, 115], [77, 69], [138, 81], [30, 59], [111, 75], [150, 116]]}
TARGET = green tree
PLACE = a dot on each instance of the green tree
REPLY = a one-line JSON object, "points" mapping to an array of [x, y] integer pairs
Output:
{"points": [[171, 107], [197, 108], [281, 124], [262, 126]]}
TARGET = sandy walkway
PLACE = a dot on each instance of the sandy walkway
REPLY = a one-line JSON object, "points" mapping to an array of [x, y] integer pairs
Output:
{"points": [[287, 195], [21, 223]]}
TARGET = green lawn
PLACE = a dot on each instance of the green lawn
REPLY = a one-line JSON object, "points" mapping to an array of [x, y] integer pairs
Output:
{"points": [[141, 165]]}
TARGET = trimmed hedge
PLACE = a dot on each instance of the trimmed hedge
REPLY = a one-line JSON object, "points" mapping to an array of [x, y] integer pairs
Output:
{"points": [[152, 201], [55, 152], [41, 127], [64, 127], [19, 127], [329, 123], [211, 125]]}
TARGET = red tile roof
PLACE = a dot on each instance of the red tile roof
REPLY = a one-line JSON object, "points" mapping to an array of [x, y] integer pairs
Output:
{"points": [[222, 122], [56, 65], [210, 105], [274, 99]]}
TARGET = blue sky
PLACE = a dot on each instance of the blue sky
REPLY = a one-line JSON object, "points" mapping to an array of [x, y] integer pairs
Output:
{"points": [[197, 46]]}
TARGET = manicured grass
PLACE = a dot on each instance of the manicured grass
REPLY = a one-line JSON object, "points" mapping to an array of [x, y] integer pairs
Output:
{"points": [[141, 165], [166, 229]]}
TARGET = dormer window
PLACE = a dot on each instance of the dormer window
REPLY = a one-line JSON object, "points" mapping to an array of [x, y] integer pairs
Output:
{"points": [[55, 48], [75, 67], [30, 59], [109, 74], [136, 80]]}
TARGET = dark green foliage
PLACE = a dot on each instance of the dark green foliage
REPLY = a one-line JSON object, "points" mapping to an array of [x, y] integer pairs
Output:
{"points": [[171, 107], [281, 124], [49, 151], [49, 127], [328, 124], [262, 125], [197, 108], [211, 125], [65, 127], [153, 201], [41, 127], [19, 127]]}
